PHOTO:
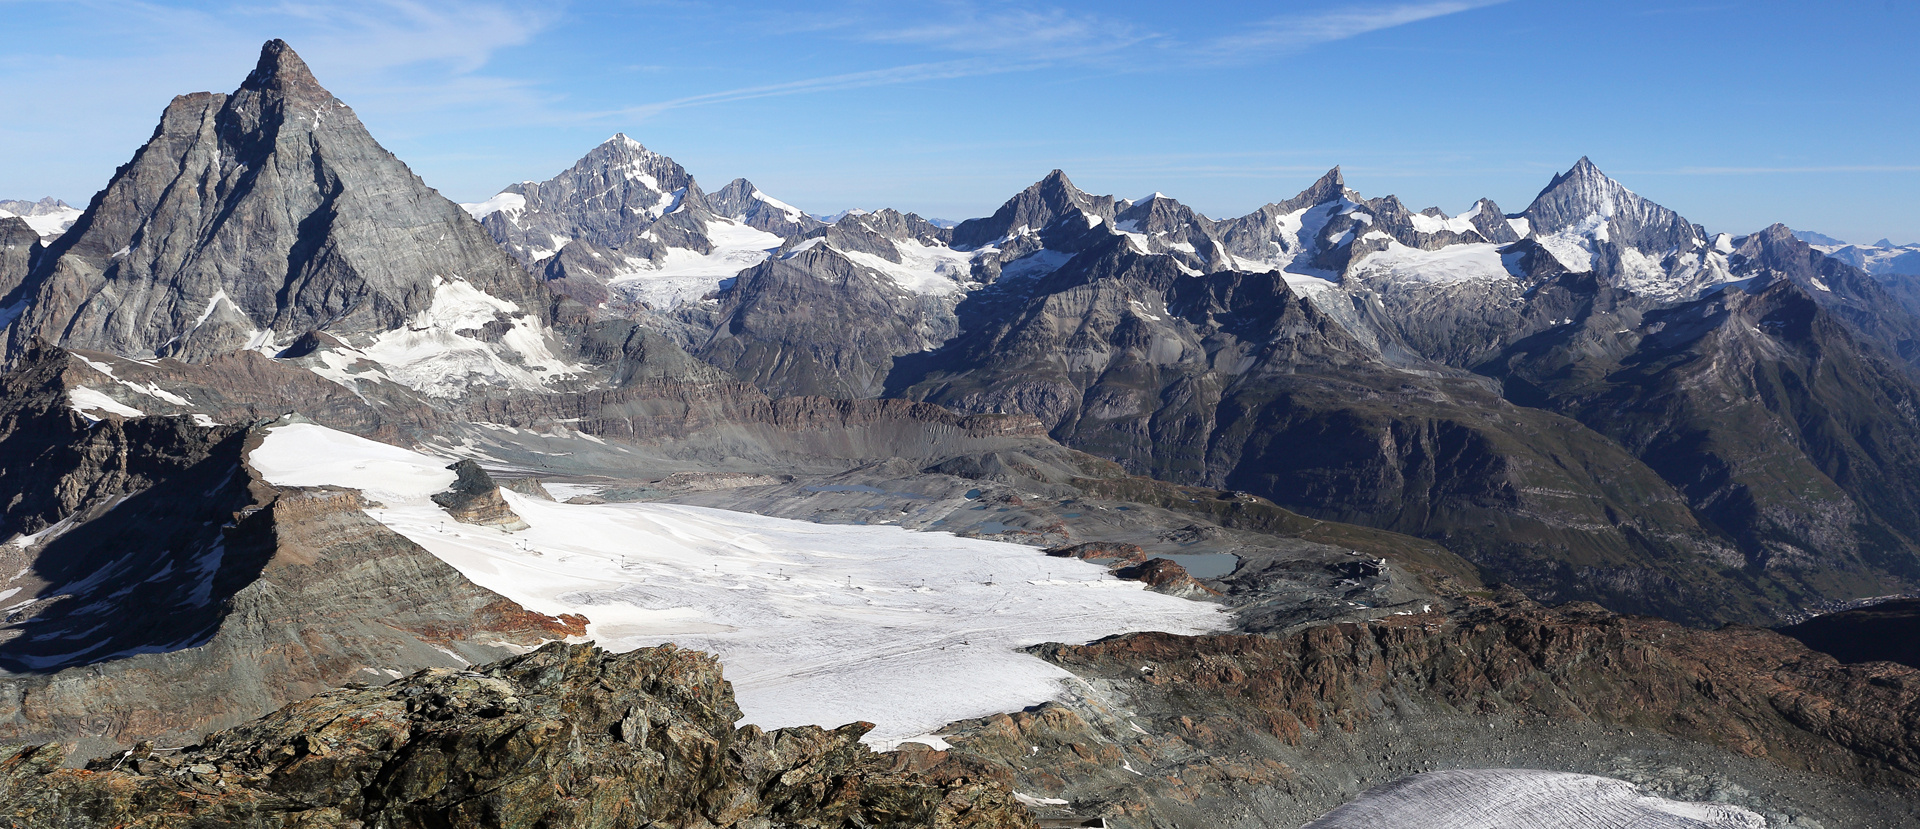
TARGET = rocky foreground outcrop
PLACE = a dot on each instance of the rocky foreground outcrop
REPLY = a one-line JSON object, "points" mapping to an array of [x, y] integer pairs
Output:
{"points": [[1254, 731], [566, 736]]}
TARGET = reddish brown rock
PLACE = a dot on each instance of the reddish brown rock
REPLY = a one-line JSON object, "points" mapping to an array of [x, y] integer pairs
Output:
{"points": [[1746, 690], [1166, 576], [568, 736], [1118, 552]]}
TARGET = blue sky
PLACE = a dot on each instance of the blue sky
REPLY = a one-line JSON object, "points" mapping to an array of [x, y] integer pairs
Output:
{"points": [[1737, 114]]}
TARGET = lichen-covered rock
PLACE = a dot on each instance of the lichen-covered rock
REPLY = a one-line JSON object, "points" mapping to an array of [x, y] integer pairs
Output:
{"points": [[566, 736]]}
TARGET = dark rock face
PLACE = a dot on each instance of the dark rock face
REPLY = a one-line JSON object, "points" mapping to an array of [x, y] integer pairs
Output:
{"points": [[1872, 311], [1166, 576], [567, 736], [19, 247], [475, 499], [1035, 209], [1232, 380], [1256, 731], [1782, 428], [55, 462], [255, 217], [1750, 691], [813, 322], [1905, 289], [249, 596], [1119, 554]]}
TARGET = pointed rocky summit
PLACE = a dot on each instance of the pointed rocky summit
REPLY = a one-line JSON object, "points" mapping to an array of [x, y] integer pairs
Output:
{"points": [[249, 219]]}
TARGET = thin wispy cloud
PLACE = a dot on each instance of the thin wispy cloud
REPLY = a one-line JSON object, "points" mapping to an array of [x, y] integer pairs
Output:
{"points": [[1292, 33], [409, 67], [943, 70], [1006, 40], [384, 34], [1052, 33], [430, 53]]}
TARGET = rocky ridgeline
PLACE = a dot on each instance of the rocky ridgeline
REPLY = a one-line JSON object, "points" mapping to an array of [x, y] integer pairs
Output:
{"points": [[566, 736], [1746, 690], [654, 411], [1245, 730]]}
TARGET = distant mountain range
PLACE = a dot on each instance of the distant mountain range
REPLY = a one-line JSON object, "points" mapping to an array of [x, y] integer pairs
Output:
{"points": [[1591, 398], [1382, 438]]}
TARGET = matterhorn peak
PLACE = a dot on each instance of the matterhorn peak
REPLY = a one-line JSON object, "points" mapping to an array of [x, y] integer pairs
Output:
{"points": [[282, 71], [329, 233]]}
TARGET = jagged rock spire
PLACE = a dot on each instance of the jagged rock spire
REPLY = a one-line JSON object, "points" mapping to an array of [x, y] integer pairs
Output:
{"points": [[281, 71], [1328, 187], [1034, 209]]}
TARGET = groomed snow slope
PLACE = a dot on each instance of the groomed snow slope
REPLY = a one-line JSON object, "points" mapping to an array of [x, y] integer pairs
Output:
{"points": [[815, 623], [1525, 799]]}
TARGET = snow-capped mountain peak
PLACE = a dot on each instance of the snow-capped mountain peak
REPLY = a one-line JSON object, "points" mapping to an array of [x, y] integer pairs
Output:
{"points": [[48, 217], [1032, 210], [1880, 258], [741, 201], [620, 196], [1590, 222]]}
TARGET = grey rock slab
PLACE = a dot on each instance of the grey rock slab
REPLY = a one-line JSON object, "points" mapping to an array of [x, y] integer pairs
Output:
{"points": [[251, 218]]}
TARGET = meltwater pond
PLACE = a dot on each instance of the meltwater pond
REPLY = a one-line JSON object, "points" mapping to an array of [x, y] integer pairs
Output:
{"points": [[1204, 565]]}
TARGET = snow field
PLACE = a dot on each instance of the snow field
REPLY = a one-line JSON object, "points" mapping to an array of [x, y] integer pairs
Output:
{"points": [[816, 624], [1525, 799], [923, 269], [687, 275], [429, 354], [49, 225], [1453, 263]]}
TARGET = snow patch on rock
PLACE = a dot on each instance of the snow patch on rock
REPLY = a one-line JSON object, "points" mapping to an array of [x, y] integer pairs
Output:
{"points": [[688, 275], [1453, 263], [932, 270], [84, 399], [439, 354], [508, 203]]}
